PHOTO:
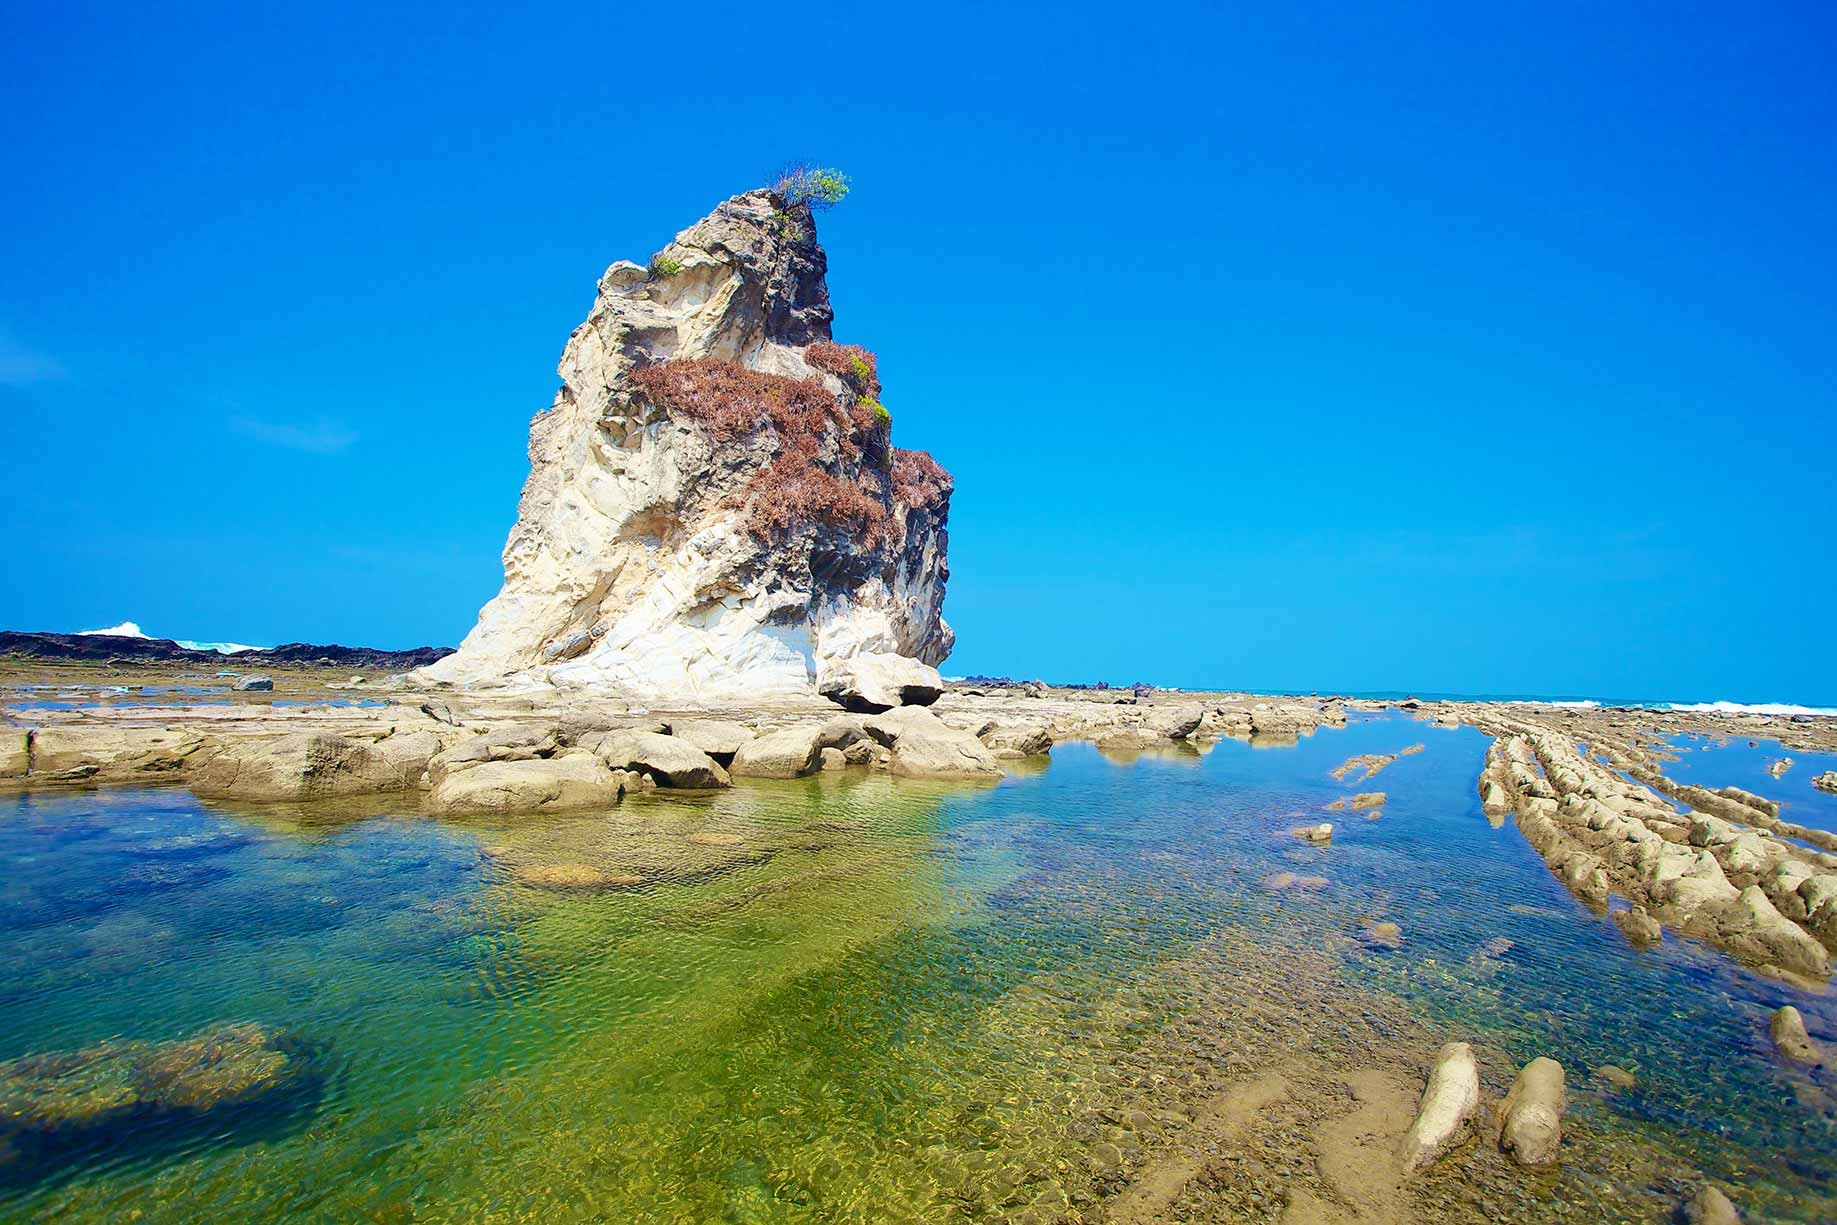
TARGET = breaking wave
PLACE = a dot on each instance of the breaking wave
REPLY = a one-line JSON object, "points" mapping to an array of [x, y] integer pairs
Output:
{"points": [[1750, 708]]}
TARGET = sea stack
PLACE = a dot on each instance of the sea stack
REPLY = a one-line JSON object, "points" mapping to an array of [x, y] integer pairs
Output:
{"points": [[714, 508]]}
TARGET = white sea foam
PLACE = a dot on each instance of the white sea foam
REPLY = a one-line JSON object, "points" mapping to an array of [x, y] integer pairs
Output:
{"points": [[129, 629], [222, 648], [1750, 708], [1575, 703]]}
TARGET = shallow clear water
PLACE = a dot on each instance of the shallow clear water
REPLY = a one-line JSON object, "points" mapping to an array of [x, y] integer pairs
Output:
{"points": [[875, 1000], [1723, 762]]}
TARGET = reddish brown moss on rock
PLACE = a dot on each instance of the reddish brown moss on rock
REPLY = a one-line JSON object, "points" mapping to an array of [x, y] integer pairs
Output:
{"points": [[797, 486], [732, 401], [854, 365], [920, 481]]}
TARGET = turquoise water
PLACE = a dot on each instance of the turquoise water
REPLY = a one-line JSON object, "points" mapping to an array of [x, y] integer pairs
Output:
{"points": [[850, 998]]}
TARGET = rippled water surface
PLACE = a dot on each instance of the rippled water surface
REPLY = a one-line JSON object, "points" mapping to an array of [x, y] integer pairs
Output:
{"points": [[848, 997]]}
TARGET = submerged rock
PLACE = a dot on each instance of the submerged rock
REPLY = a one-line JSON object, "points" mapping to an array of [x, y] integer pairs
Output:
{"points": [[1531, 1121], [74, 1091], [571, 877], [1381, 935], [1449, 1101], [1615, 1076], [1291, 880]]}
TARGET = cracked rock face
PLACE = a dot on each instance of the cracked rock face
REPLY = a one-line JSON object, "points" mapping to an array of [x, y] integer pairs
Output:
{"points": [[692, 547]]}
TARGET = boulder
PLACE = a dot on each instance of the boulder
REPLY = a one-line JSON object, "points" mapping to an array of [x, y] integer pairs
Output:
{"points": [[872, 682], [509, 742], [1710, 1206], [790, 752], [1790, 1038], [572, 780], [253, 684], [410, 753], [1175, 722], [1531, 1121], [718, 738], [302, 766], [672, 762], [1825, 782], [924, 746], [832, 759], [1017, 741], [842, 732], [1449, 1101]]}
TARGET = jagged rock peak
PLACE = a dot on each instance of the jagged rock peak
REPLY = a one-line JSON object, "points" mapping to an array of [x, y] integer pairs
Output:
{"points": [[714, 508]]}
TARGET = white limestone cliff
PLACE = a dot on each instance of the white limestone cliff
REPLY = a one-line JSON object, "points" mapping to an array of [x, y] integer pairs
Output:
{"points": [[714, 510]]}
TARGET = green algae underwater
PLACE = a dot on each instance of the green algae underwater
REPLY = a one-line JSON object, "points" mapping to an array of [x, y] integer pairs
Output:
{"points": [[855, 998]]}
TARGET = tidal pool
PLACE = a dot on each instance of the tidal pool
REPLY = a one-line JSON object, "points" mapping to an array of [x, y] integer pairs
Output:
{"points": [[853, 998]]}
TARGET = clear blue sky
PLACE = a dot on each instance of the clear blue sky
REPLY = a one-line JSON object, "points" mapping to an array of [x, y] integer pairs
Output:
{"points": [[1449, 347]]}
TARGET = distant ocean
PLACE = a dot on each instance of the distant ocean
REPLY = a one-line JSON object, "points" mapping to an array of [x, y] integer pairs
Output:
{"points": [[1722, 707], [1507, 699]]}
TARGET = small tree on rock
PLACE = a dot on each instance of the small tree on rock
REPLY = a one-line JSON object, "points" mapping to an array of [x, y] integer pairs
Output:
{"points": [[817, 187]]}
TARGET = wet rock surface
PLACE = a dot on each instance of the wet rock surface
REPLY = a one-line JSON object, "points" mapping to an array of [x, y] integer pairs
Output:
{"points": [[1724, 873], [1445, 1115], [1787, 1029], [1531, 1120]]}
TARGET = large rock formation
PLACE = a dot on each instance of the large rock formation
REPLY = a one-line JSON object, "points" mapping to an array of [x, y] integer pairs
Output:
{"points": [[714, 507]]}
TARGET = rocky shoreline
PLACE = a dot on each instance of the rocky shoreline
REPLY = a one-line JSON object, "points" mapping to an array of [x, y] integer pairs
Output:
{"points": [[1586, 787]]}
